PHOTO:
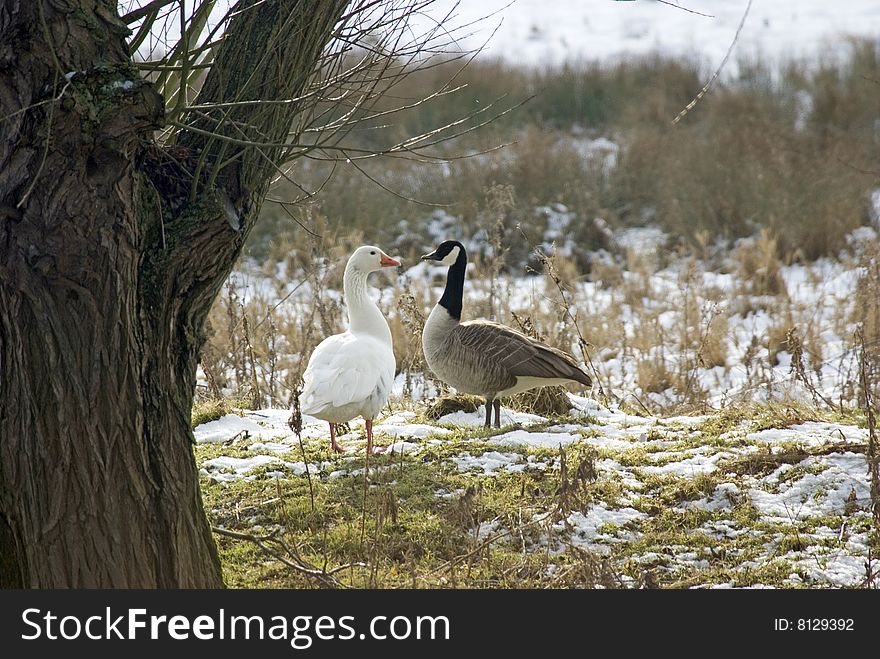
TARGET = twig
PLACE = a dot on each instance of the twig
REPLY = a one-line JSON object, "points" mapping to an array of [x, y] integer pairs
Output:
{"points": [[54, 99], [137, 14], [582, 343], [36, 175], [690, 11], [872, 458], [293, 560], [705, 89], [295, 423], [448, 565]]}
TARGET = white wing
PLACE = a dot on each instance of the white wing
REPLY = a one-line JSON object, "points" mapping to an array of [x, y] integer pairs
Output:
{"points": [[347, 370]]}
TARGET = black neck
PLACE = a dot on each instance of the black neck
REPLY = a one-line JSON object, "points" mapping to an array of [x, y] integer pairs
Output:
{"points": [[451, 300]]}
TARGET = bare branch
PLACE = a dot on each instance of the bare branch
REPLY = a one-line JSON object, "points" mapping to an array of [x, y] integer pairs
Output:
{"points": [[708, 85], [690, 11], [290, 557], [146, 10]]}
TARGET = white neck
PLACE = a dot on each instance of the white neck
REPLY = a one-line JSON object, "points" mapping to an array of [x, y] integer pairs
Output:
{"points": [[364, 316]]}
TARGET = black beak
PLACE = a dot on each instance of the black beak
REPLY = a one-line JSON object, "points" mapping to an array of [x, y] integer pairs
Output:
{"points": [[432, 257]]}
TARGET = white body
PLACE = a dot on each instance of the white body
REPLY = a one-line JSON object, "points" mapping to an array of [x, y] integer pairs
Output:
{"points": [[348, 375], [351, 374]]}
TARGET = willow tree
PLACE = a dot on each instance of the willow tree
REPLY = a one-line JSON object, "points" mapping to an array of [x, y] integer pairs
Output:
{"points": [[129, 181]]}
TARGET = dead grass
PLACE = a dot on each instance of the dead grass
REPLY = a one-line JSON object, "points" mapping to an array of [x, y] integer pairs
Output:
{"points": [[452, 403], [209, 410], [417, 521], [751, 182], [759, 266], [781, 150]]}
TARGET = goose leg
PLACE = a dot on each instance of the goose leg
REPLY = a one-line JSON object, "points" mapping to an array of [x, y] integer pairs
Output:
{"points": [[369, 423], [336, 447], [497, 412], [488, 413]]}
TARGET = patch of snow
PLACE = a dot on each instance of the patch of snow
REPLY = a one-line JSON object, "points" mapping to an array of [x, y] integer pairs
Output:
{"points": [[812, 495], [810, 434], [413, 384], [535, 439], [641, 240], [402, 447], [241, 466], [408, 429], [724, 497], [400, 417], [689, 467], [124, 85], [586, 525], [231, 425], [841, 570], [478, 418], [490, 461], [486, 529], [274, 416]]}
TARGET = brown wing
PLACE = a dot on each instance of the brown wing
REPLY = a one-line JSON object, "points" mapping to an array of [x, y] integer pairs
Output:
{"points": [[517, 354]]}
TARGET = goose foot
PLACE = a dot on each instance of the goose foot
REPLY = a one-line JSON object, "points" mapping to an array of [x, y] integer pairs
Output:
{"points": [[370, 451], [333, 444]]}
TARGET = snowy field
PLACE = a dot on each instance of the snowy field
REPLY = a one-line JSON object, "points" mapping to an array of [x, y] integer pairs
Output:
{"points": [[692, 502], [769, 487], [542, 32], [665, 333]]}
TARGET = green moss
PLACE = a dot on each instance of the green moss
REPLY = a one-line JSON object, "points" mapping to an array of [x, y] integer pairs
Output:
{"points": [[210, 410], [421, 522]]}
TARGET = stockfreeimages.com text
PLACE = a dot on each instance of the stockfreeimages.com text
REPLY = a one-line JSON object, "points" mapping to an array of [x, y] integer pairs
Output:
{"points": [[300, 631]]}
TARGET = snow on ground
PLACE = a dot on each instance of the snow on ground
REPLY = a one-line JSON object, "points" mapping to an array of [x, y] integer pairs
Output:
{"points": [[655, 318], [809, 513], [231, 426], [812, 433], [535, 439], [687, 467], [489, 462], [725, 497], [478, 418], [813, 494], [227, 468], [585, 527], [539, 32]]}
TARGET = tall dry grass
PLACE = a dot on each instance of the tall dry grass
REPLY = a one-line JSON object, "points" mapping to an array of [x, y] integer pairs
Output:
{"points": [[792, 150], [772, 168]]}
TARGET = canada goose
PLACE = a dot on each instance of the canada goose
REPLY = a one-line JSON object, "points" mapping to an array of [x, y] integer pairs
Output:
{"points": [[351, 374], [481, 357]]}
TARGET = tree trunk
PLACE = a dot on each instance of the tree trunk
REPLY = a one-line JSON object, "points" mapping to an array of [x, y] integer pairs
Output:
{"points": [[112, 250], [98, 484]]}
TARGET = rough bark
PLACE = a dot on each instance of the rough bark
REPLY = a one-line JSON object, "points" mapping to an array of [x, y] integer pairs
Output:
{"points": [[98, 486], [109, 263]]}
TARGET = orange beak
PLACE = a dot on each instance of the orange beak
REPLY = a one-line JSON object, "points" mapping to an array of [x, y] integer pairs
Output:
{"points": [[386, 261]]}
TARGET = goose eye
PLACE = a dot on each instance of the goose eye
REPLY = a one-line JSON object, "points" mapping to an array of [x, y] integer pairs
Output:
{"points": [[373, 253]]}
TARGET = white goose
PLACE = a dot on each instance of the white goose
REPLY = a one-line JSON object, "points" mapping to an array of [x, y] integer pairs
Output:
{"points": [[351, 374]]}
